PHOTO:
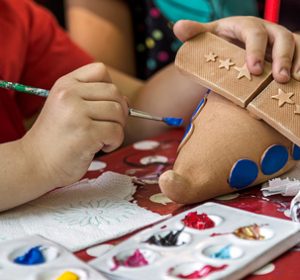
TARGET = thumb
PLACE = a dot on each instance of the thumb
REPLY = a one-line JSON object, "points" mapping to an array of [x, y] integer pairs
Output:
{"points": [[187, 29], [91, 73]]}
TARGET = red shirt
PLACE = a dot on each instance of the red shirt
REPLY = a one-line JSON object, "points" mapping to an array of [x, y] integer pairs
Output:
{"points": [[34, 51]]}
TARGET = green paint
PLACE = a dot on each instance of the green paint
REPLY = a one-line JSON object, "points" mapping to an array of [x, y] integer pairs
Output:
{"points": [[23, 88]]}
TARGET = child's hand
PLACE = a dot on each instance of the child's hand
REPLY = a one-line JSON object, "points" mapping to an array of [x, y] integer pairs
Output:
{"points": [[257, 34], [83, 114]]}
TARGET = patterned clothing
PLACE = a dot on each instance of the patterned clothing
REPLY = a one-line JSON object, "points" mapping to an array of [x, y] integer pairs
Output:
{"points": [[155, 43]]}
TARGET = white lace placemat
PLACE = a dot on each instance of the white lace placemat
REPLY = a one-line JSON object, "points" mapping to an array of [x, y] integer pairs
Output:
{"points": [[80, 215]]}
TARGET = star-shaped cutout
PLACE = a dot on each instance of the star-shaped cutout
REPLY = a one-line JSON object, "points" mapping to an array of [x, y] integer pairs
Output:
{"points": [[226, 63], [297, 111], [210, 57], [283, 97], [243, 72]]}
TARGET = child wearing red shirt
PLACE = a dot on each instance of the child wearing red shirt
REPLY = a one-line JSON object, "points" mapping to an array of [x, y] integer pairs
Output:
{"points": [[85, 112]]}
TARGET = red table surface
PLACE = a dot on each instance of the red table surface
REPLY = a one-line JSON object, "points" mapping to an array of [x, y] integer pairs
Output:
{"points": [[127, 161]]}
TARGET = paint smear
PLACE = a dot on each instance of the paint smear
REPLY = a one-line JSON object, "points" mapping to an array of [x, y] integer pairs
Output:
{"points": [[223, 253], [251, 232], [32, 257], [137, 259], [203, 272], [198, 221], [171, 239]]}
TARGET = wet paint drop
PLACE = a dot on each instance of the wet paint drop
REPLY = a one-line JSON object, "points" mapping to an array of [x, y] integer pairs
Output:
{"points": [[223, 253], [203, 272], [171, 239], [137, 259], [68, 275], [32, 257], [198, 221], [251, 232]]}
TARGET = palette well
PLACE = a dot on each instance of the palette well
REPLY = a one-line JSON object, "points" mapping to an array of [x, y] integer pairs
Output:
{"points": [[211, 241], [36, 258]]}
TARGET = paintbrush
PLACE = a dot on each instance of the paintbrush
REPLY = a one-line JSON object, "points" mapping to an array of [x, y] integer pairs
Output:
{"points": [[131, 112]]}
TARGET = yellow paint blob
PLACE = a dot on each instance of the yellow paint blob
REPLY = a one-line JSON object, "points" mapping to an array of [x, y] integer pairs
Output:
{"points": [[68, 275]]}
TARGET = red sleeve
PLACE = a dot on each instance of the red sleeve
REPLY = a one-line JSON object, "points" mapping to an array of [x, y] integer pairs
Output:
{"points": [[50, 54]]}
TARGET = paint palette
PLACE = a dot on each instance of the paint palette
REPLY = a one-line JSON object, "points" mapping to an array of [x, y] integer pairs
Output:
{"points": [[36, 258], [210, 241]]}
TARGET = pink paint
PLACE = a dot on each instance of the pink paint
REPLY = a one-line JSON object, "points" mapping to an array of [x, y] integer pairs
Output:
{"points": [[203, 272], [135, 260], [198, 221]]}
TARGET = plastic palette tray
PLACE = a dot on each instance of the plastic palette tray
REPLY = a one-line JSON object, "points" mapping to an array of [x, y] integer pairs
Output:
{"points": [[58, 261], [246, 256]]}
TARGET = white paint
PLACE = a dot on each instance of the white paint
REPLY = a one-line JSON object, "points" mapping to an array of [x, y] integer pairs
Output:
{"points": [[230, 196], [153, 159], [97, 165], [99, 250], [160, 198], [146, 145], [265, 269]]}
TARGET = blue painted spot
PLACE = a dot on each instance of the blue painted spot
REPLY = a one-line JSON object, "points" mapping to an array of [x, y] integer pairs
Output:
{"points": [[273, 159], [296, 152], [32, 257], [243, 173]]}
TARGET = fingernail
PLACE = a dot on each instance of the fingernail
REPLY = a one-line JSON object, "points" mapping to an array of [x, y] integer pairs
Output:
{"points": [[258, 65], [284, 72]]}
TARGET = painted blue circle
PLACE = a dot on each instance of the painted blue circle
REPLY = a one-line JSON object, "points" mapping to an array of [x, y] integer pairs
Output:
{"points": [[273, 159], [243, 173], [296, 152]]}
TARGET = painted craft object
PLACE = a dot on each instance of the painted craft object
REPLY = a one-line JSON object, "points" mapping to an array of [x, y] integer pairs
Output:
{"points": [[233, 244], [34, 257], [225, 148]]}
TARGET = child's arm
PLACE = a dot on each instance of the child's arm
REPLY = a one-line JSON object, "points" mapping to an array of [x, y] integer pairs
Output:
{"points": [[258, 35], [83, 114], [104, 29]]}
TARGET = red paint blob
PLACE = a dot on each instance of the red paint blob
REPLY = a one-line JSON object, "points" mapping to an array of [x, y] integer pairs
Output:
{"points": [[198, 221], [137, 259], [203, 272]]}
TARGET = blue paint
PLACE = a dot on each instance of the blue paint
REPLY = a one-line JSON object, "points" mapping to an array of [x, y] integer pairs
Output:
{"points": [[223, 253], [243, 173], [173, 121], [187, 130], [274, 159], [296, 152], [32, 257], [199, 108]]}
